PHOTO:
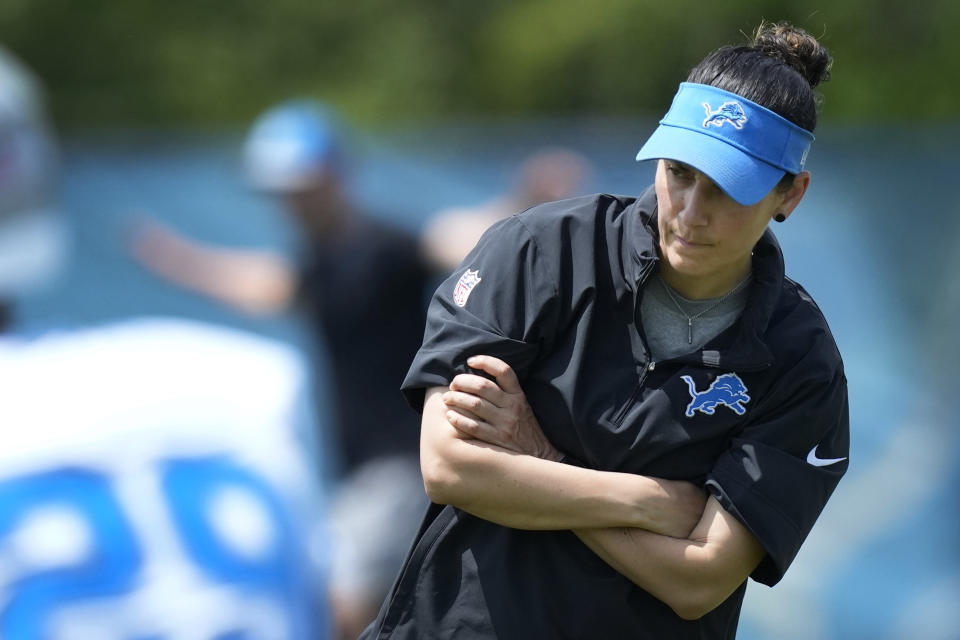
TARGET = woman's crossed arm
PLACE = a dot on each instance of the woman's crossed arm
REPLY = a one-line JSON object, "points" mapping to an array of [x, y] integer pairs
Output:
{"points": [[483, 451]]}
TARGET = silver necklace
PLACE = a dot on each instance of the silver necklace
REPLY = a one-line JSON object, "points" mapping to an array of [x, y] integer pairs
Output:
{"points": [[716, 304]]}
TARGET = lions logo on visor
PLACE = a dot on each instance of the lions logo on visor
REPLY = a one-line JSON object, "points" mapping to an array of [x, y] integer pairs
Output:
{"points": [[730, 112]]}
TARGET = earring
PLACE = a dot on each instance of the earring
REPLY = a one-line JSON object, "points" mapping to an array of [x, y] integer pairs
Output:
{"points": [[779, 217]]}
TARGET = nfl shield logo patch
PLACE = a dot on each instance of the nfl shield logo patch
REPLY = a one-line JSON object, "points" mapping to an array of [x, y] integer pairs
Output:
{"points": [[465, 285]]}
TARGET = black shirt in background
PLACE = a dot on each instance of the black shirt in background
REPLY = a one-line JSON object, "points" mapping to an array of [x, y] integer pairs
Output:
{"points": [[365, 290]]}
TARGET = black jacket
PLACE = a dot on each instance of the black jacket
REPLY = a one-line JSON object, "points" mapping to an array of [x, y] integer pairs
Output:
{"points": [[753, 416]]}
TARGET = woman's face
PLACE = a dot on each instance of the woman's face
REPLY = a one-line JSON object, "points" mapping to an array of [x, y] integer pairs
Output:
{"points": [[706, 237]]}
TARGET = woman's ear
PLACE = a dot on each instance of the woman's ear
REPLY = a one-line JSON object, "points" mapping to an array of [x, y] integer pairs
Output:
{"points": [[793, 195]]}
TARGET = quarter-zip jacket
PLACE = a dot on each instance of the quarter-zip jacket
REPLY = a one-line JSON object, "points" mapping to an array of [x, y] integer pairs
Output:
{"points": [[555, 292]]}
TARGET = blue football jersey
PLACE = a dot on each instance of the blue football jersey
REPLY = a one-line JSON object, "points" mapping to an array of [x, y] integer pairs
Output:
{"points": [[156, 481]]}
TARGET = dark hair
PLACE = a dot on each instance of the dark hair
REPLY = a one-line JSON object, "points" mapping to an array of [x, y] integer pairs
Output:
{"points": [[779, 69]]}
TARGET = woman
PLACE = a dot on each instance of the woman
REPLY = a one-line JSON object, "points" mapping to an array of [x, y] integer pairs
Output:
{"points": [[628, 409]]}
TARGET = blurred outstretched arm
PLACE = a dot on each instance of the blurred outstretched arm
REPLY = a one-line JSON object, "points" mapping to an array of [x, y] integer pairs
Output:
{"points": [[257, 282]]}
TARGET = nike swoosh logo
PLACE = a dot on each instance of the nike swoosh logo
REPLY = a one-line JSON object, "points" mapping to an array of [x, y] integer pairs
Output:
{"points": [[812, 459]]}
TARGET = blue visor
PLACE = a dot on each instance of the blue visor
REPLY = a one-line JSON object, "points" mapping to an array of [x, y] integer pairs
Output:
{"points": [[743, 147]]}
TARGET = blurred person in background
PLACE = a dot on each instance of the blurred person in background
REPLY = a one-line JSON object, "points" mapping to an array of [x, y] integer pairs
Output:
{"points": [[551, 173], [155, 476], [361, 283]]}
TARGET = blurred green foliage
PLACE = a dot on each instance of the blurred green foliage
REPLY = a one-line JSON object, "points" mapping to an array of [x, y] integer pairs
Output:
{"points": [[209, 62]]}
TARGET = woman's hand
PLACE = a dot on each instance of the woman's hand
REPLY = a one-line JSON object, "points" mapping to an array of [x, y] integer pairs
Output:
{"points": [[496, 412]]}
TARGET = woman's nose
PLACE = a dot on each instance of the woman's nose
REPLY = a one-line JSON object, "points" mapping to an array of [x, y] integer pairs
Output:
{"points": [[695, 206]]}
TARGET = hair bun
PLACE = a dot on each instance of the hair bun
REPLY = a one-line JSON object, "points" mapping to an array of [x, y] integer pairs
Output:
{"points": [[796, 48]]}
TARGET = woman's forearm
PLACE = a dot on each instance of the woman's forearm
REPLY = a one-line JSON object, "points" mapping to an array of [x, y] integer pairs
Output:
{"points": [[482, 457], [691, 575], [525, 492]]}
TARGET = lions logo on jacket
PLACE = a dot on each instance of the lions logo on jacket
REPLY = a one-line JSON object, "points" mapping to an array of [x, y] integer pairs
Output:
{"points": [[727, 390]]}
